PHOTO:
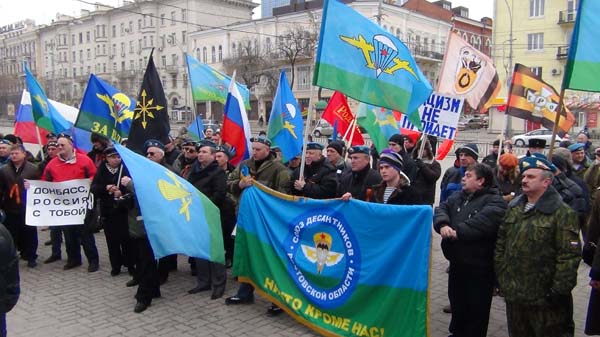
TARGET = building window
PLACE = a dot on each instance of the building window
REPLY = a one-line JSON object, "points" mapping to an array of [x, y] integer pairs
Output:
{"points": [[162, 19], [213, 55], [114, 31], [183, 15], [304, 77], [535, 41], [122, 28], [183, 36], [536, 8], [174, 59], [139, 24], [89, 54], [173, 18], [174, 81], [220, 53], [204, 54], [536, 70], [163, 61], [87, 36]]}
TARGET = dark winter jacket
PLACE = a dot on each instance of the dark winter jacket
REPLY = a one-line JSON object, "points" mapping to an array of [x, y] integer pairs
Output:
{"points": [[428, 174], [320, 178], [475, 217], [451, 182], [210, 180], [359, 184], [11, 185], [9, 272], [183, 165], [102, 178], [171, 156], [571, 193], [403, 195]]}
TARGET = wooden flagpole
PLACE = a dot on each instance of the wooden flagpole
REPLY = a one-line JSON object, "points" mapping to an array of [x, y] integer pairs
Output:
{"points": [[559, 111], [39, 138]]}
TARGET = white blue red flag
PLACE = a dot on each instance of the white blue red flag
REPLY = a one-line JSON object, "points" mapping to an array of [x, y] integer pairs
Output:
{"points": [[236, 128]]}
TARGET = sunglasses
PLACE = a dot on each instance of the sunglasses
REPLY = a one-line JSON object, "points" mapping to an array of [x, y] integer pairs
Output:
{"points": [[189, 150], [151, 154], [597, 154]]}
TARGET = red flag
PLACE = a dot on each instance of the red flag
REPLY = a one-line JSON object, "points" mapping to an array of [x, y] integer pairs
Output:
{"points": [[444, 148], [338, 110]]}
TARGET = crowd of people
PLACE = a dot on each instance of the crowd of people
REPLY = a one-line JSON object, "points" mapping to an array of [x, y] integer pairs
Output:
{"points": [[509, 226]]}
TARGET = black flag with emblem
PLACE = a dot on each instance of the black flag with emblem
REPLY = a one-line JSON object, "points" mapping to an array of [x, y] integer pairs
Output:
{"points": [[150, 117]]}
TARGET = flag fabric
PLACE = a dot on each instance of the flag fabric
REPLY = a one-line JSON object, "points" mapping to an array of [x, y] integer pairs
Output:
{"points": [[360, 59], [324, 263], [236, 127], [105, 110], [209, 84], [444, 149], [45, 114], [150, 117], [532, 99], [25, 124], [177, 217], [196, 129], [286, 126], [338, 111], [380, 123], [583, 62], [468, 73]]}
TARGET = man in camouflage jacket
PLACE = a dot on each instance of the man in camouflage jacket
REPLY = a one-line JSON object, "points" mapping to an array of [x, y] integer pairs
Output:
{"points": [[537, 255]]}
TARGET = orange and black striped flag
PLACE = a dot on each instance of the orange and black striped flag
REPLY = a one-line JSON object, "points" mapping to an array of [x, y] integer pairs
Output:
{"points": [[535, 100]]}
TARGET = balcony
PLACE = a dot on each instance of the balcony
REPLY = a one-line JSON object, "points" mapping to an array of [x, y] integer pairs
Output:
{"points": [[172, 69], [562, 52], [566, 17], [123, 74]]}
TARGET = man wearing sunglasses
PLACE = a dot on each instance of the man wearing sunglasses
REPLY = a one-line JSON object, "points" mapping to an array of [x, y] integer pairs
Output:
{"points": [[69, 165], [186, 158]]}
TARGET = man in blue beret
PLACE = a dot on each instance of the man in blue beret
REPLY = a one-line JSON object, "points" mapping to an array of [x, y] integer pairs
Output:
{"points": [[580, 161], [359, 181], [319, 180], [537, 256]]}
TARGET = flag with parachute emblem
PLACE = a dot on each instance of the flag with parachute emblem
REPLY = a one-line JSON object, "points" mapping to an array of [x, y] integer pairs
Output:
{"points": [[380, 123], [150, 117], [468, 73], [105, 110], [532, 99], [321, 264], [196, 129], [286, 127], [360, 59]]}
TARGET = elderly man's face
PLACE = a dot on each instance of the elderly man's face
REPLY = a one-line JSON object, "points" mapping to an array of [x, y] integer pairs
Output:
{"points": [[582, 138], [155, 154], [359, 161]]}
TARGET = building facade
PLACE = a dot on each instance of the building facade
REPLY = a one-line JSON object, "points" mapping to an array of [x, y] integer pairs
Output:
{"points": [[535, 33], [115, 44], [19, 44], [267, 38]]}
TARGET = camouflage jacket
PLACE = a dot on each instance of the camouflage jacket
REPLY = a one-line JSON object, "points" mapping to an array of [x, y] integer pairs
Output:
{"points": [[271, 173], [537, 250]]}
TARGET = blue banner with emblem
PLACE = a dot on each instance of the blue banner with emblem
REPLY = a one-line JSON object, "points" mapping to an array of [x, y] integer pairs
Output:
{"points": [[105, 110], [342, 268]]}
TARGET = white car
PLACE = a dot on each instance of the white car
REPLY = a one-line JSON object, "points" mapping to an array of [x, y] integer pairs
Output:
{"points": [[545, 134]]}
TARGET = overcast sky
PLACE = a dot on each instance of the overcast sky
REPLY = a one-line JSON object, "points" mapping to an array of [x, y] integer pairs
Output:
{"points": [[43, 11]]}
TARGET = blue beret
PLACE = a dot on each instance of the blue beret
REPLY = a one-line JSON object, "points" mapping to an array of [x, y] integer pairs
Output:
{"points": [[359, 149], [576, 147], [539, 162], [205, 142], [154, 143], [261, 139], [314, 146]]}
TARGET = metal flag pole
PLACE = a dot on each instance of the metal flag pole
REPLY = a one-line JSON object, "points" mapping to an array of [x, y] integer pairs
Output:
{"points": [[422, 147], [306, 127]]}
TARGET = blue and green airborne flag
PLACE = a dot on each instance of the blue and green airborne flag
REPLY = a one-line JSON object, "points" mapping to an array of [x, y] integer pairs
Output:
{"points": [[46, 116], [105, 110], [286, 127], [177, 217], [196, 129], [363, 61], [208, 84], [341, 268], [583, 63], [380, 124]]}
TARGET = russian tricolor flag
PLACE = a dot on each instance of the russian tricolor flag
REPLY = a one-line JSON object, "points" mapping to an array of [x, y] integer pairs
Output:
{"points": [[236, 128], [25, 124]]}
